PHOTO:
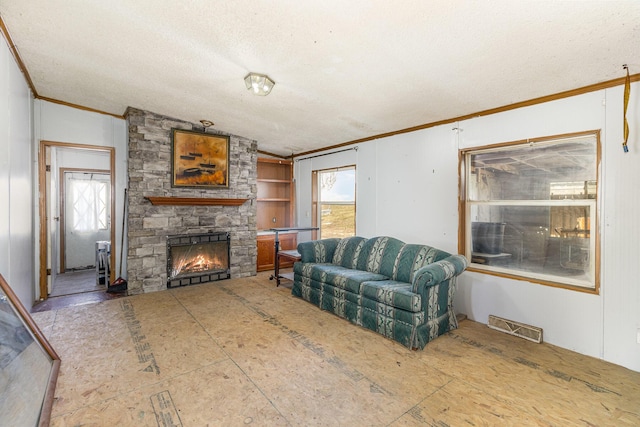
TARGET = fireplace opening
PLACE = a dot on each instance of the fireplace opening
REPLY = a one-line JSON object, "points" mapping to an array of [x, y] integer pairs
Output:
{"points": [[197, 258]]}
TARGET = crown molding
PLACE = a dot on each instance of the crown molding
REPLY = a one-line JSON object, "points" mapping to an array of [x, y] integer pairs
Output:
{"points": [[560, 95], [16, 56]]}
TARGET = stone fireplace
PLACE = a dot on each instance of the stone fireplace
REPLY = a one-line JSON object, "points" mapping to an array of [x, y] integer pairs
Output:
{"points": [[158, 212]]}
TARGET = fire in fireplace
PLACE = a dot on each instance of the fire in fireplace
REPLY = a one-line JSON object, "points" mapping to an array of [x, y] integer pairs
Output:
{"points": [[197, 258]]}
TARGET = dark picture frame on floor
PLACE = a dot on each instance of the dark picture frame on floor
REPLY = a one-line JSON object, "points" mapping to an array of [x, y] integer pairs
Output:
{"points": [[199, 159], [28, 365]]}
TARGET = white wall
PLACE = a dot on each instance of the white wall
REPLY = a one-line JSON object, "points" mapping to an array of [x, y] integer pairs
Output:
{"points": [[407, 187], [16, 232], [60, 123]]}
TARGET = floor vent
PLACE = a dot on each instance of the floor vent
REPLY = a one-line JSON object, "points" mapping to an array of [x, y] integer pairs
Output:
{"points": [[521, 330]]}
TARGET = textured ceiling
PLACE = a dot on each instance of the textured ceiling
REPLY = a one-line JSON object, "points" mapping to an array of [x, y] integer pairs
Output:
{"points": [[344, 70]]}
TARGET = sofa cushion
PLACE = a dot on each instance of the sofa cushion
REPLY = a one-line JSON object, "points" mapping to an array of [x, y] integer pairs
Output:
{"points": [[338, 276], [378, 255], [393, 293], [413, 257], [348, 251], [318, 250]]}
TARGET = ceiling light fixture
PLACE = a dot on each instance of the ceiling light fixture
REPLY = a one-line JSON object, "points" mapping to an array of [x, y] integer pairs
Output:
{"points": [[206, 123], [259, 84]]}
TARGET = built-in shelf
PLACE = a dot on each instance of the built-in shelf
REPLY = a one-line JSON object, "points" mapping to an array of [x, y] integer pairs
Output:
{"points": [[193, 201], [283, 181], [274, 208]]}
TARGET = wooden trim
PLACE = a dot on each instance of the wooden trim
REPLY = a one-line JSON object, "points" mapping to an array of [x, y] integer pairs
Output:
{"points": [[114, 243], [16, 57], [193, 201], [534, 101], [62, 191], [23, 69], [569, 135], [43, 220], [592, 291], [462, 210], [73, 145], [561, 95], [49, 394], [599, 206], [462, 206], [26, 317], [279, 156], [42, 204], [79, 107], [315, 209], [47, 401], [282, 161]]}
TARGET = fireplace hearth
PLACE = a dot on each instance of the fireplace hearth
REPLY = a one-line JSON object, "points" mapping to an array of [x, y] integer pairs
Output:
{"points": [[197, 258]]}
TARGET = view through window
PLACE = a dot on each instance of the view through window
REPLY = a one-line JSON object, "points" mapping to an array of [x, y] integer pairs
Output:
{"points": [[336, 207], [530, 210]]}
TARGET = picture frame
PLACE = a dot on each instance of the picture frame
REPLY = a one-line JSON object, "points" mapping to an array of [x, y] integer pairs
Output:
{"points": [[28, 365], [199, 159]]}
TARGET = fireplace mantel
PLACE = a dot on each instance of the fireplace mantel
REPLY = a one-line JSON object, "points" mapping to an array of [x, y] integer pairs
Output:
{"points": [[193, 201]]}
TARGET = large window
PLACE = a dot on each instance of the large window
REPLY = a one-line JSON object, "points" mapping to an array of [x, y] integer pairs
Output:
{"points": [[335, 202], [530, 210]]}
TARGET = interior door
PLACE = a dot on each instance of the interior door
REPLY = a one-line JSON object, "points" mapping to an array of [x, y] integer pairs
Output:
{"points": [[87, 216]]}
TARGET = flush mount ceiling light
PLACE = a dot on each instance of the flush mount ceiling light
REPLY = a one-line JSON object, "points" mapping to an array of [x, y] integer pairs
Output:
{"points": [[259, 84], [206, 123]]}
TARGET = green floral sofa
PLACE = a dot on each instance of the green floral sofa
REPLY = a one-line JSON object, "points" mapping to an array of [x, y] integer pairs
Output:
{"points": [[402, 291]]}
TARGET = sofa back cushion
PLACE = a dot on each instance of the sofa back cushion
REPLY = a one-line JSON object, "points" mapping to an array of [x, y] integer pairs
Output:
{"points": [[318, 251], [381, 255], [378, 255], [413, 257], [348, 251]]}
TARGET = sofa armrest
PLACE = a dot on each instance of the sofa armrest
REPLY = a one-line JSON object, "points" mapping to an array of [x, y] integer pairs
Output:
{"points": [[317, 251], [438, 272]]}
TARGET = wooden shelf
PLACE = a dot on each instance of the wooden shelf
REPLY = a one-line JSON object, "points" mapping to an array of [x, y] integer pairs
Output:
{"points": [[283, 181], [274, 207], [193, 201]]}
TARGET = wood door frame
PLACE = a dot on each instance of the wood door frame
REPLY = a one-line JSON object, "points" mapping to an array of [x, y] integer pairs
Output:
{"points": [[63, 195], [42, 203]]}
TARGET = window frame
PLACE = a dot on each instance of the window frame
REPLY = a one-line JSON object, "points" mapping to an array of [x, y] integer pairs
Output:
{"points": [[317, 199], [595, 206]]}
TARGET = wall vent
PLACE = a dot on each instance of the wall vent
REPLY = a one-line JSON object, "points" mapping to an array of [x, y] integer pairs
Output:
{"points": [[531, 333]]}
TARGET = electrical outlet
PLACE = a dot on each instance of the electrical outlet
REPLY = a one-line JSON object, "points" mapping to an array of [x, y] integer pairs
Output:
{"points": [[638, 339]]}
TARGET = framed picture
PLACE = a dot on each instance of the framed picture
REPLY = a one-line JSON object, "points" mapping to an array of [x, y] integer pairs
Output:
{"points": [[199, 159], [28, 365]]}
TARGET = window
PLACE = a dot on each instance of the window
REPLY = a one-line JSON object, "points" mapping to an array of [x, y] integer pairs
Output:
{"points": [[530, 209], [335, 202], [89, 201]]}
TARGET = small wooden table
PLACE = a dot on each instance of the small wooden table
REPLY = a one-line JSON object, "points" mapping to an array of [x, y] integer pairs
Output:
{"points": [[292, 255]]}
